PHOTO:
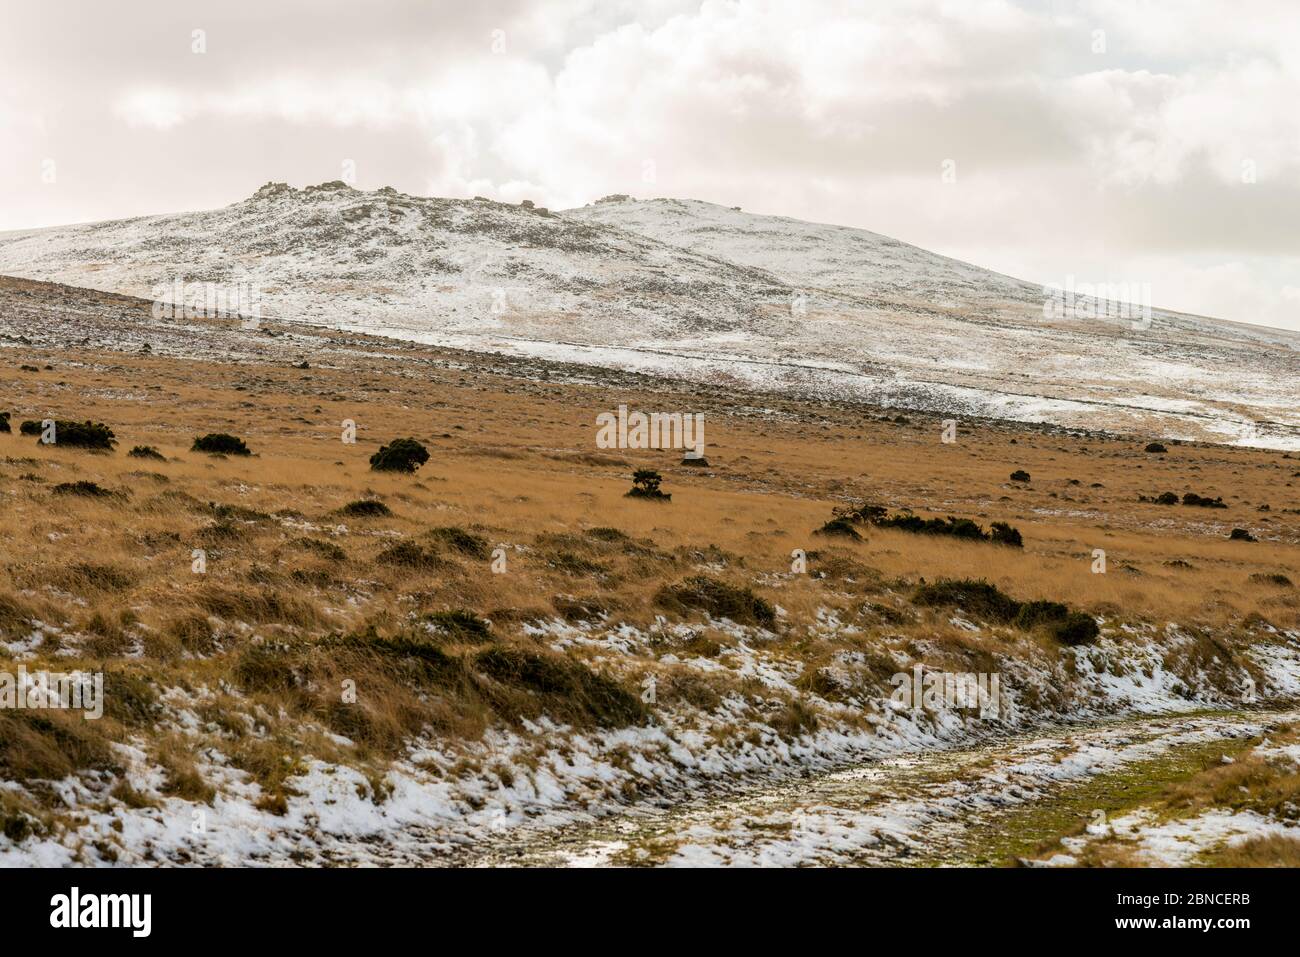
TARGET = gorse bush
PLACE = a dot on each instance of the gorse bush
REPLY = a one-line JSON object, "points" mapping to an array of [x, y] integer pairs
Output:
{"points": [[82, 488], [366, 508], [1003, 534], [1076, 629], [220, 443], [1164, 498], [1035, 613], [146, 452], [74, 435], [987, 602], [979, 598], [846, 517], [645, 484], [840, 527], [399, 455], [1271, 578], [4, 422], [1201, 501]]}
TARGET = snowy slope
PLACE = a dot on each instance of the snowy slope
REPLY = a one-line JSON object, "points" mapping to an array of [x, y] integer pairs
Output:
{"points": [[695, 290]]}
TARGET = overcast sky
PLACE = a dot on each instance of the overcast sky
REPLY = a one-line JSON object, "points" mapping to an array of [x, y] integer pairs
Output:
{"points": [[1152, 141]]}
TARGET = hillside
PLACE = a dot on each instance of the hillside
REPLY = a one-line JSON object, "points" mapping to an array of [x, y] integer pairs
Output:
{"points": [[697, 291]]}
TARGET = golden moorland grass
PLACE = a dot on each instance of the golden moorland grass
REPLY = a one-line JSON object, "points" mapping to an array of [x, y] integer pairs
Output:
{"points": [[515, 476]]}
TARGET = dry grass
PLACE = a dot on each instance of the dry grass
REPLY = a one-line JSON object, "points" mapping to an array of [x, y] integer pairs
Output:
{"points": [[301, 595], [1275, 850]]}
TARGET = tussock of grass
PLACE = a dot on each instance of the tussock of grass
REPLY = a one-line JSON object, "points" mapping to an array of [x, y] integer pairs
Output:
{"points": [[467, 543], [1275, 850], [719, 599], [560, 686], [589, 608], [48, 745], [92, 576], [83, 489], [322, 549], [410, 555], [255, 606], [15, 616], [459, 625]]}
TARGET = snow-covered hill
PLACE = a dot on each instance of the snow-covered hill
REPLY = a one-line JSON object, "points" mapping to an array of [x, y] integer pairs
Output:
{"points": [[695, 290]]}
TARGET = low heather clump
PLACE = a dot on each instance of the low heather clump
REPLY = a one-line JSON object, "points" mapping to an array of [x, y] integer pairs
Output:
{"points": [[846, 518], [220, 443]]}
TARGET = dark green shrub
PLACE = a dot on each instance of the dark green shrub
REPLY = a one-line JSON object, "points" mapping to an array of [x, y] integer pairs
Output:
{"points": [[846, 517], [4, 422], [1241, 535], [1076, 629], [1201, 501], [1003, 534], [77, 435], [83, 488], [1020, 475], [1035, 613], [146, 452], [1274, 578], [29, 427], [645, 484], [366, 508], [864, 512], [840, 527], [978, 598], [399, 455], [220, 443], [1155, 447], [719, 599]]}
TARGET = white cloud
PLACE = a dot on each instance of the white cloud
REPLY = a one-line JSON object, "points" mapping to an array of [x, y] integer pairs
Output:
{"points": [[832, 110]]}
